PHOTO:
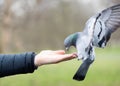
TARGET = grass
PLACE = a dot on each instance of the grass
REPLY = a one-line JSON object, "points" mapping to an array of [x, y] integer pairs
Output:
{"points": [[105, 71]]}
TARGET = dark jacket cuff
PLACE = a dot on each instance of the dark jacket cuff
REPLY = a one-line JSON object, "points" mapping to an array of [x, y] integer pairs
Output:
{"points": [[11, 64]]}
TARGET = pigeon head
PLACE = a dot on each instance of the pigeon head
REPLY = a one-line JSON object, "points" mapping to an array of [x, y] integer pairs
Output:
{"points": [[70, 41]]}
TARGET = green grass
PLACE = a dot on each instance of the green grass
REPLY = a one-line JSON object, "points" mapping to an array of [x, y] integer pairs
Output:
{"points": [[105, 71]]}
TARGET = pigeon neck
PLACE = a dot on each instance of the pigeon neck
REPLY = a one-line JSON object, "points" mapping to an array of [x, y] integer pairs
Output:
{"points": [[75, 36]]}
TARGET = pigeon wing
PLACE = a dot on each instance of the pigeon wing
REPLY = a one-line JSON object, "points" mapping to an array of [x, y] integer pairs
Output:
{"points": [[106, 23], [111, 17]]}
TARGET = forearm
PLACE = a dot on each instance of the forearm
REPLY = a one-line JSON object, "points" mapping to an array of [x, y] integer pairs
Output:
{"points": [[11, 64]]}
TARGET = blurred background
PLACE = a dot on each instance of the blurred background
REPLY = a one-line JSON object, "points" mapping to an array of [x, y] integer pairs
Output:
{"points": [[35, 25]]}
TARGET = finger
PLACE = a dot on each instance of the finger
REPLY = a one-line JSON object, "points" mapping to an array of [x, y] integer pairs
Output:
{"points": [[69, 56], [59, 52], [66, 57]]}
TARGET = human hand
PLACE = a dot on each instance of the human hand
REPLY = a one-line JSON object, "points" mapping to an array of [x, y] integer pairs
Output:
{"points": [[52, 57]]}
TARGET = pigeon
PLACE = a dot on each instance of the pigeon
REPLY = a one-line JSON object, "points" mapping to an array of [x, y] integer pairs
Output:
{"points": [[97, 32]]}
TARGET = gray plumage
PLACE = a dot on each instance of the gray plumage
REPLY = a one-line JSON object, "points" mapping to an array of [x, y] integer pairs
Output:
{"points": [[96, 33]]}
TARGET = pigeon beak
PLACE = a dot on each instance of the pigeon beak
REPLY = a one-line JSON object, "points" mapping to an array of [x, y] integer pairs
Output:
{"points": [[67, 48]]}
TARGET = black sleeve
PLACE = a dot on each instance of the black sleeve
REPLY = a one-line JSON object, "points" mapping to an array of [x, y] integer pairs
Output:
{"points": [[11, 64]]}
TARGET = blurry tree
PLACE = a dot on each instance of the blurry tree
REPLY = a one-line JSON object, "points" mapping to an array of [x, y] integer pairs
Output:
{"points": [[6, 30]]}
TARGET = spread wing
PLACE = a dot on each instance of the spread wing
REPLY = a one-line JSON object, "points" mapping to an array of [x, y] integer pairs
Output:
{"points": [[106, 23]]}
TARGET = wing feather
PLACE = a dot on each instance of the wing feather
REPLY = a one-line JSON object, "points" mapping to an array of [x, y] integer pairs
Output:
{"points": [[100, 26], [113, 21], [110, 22]]}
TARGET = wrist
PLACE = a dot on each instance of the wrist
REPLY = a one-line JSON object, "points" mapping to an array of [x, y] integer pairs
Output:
{"points": [[35, 61]]}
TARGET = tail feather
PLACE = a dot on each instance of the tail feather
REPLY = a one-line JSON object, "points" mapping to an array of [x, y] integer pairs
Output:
{"points": [[82, 71]]}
